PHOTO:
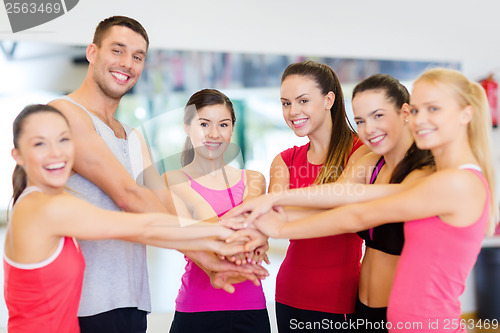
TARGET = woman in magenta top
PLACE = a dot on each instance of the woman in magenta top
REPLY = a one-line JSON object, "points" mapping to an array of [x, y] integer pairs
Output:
{"points": [[209, 187], [447, 213], [318, 278]]}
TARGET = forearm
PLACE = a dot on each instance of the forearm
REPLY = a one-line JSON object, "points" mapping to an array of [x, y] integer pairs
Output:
{"points": [[333, 195]]}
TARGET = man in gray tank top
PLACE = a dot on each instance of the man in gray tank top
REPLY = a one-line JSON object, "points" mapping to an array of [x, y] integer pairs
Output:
{"points": [[109, 161]]}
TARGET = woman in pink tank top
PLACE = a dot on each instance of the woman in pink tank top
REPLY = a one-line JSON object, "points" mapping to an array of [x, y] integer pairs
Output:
{"points": [[209, 187], [43, 263], [446, 213]]}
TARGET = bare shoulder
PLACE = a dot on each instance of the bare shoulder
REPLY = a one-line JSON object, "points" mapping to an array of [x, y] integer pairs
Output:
{"points": [[78, 119], [42, 209], [454, 182], [418, 174], [359, 153], [175, 177], [254, 175]]}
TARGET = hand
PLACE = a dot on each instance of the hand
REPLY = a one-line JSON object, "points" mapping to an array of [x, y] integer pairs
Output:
{"points": [[210, 262], [225, 280], [270, 223], [255, 206], [258, 255]]}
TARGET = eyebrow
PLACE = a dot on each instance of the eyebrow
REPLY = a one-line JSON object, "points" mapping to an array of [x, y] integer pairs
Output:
{"points": [[370, 114], [298, 97], [208, 120]]}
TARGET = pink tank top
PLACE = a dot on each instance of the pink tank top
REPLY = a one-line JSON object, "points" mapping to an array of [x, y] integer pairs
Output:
{"points": [[196, 293], [431, 274]]}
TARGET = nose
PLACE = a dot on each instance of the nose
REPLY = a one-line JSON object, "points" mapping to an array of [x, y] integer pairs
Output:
{"points": [[55, 150], [368, 128], [417, 118], [126, 61], [213, 132]]}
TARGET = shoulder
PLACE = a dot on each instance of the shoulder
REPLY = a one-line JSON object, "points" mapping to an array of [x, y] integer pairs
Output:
{"points": [[289, 153], [175, 177], [454, 182], [254, 175], [76, 116], [41, 208]]}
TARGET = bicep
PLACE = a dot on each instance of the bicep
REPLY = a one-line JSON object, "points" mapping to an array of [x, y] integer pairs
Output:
{"points": [[279, 175]]}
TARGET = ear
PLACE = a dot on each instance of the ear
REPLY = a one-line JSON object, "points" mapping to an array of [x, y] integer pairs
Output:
{"points": [[467, 114], [17, 156], [330, 99], [405, 112], [186, 129], [91, 52]]}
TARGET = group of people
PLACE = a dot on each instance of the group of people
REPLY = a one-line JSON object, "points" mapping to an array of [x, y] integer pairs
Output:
{"points": [[415, 182]]}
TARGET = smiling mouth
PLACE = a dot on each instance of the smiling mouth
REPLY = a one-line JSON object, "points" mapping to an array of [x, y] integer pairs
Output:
{"points": [[424, 131], [377, 139], [298, 122], [213, 145], [120, 76], [55, 166]]}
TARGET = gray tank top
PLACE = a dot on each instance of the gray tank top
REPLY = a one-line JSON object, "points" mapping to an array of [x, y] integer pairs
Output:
{"points": [[116, 274]]}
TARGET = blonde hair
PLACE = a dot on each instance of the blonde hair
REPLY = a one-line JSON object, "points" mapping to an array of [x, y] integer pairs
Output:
{"points": [[471, 93]]}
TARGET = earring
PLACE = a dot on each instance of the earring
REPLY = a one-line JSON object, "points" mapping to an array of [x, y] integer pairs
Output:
{"points": [[406, 121]]}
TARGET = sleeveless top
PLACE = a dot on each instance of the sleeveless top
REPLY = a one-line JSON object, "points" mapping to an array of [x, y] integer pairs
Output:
{"points": [[435, 262], [319, 274], [116, 275], [388, 238], [43, 297], [196, 293]]}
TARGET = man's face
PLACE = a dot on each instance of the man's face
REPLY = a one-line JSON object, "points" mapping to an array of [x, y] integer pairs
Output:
{"points": [[118, 62]]}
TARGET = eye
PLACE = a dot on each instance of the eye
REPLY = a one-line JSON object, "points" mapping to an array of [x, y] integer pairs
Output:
{"points": [[378, 115], [138, 58], [224, 125], [359, 122], [285, 103], [65, 139], [303, 101], [38, 144], [433, 108], [204, 124], [413, 111], [117, 51]]}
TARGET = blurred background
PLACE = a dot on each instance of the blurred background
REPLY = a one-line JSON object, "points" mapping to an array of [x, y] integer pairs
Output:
{"points": [[240, 48]]}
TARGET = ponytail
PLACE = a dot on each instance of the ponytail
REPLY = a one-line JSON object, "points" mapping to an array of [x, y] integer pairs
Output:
{"points": [[187, 155], [414, 159], [19, 182]]}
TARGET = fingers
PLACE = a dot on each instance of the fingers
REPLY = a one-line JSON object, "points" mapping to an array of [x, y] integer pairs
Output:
{"points": [[238, 210], [235, 223]]}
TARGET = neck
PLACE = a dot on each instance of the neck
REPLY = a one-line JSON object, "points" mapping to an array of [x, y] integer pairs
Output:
{"points": [[454, 154], [319, 142], [396, 155], [94, 100], [207, 167]]}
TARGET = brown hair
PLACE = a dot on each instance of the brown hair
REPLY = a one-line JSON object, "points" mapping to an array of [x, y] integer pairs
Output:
{"points": [[197, 101], [105, 25], [19, 180], [341, 139]]}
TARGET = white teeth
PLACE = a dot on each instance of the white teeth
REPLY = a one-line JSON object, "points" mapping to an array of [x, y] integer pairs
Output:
{"points": [[213, 144], [298, 122], [424, 131], [119, 76], [377, 139], [55, 166]]}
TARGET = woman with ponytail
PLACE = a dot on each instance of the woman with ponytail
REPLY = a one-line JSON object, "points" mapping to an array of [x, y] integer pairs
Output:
{"points": [[43, 264], [308, 287], [210, 187], [446, 214]]}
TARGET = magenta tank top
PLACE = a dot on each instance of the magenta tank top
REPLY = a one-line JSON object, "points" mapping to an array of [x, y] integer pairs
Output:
{"points": [[196, 294], [430, 277]]}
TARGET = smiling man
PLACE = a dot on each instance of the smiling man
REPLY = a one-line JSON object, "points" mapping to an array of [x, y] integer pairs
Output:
{"points": [[108, 167]]}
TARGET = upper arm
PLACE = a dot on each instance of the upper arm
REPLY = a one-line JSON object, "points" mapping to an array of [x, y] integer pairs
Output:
{"points": [[255, 184], [93, 158], [359, 172], [279, 175]]}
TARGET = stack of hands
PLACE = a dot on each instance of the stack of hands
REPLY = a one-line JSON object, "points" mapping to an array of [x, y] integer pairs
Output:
{"points": [[240, 255]]}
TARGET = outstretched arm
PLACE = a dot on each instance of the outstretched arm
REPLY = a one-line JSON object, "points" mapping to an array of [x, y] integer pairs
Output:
{"points": [[456, 196]]}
